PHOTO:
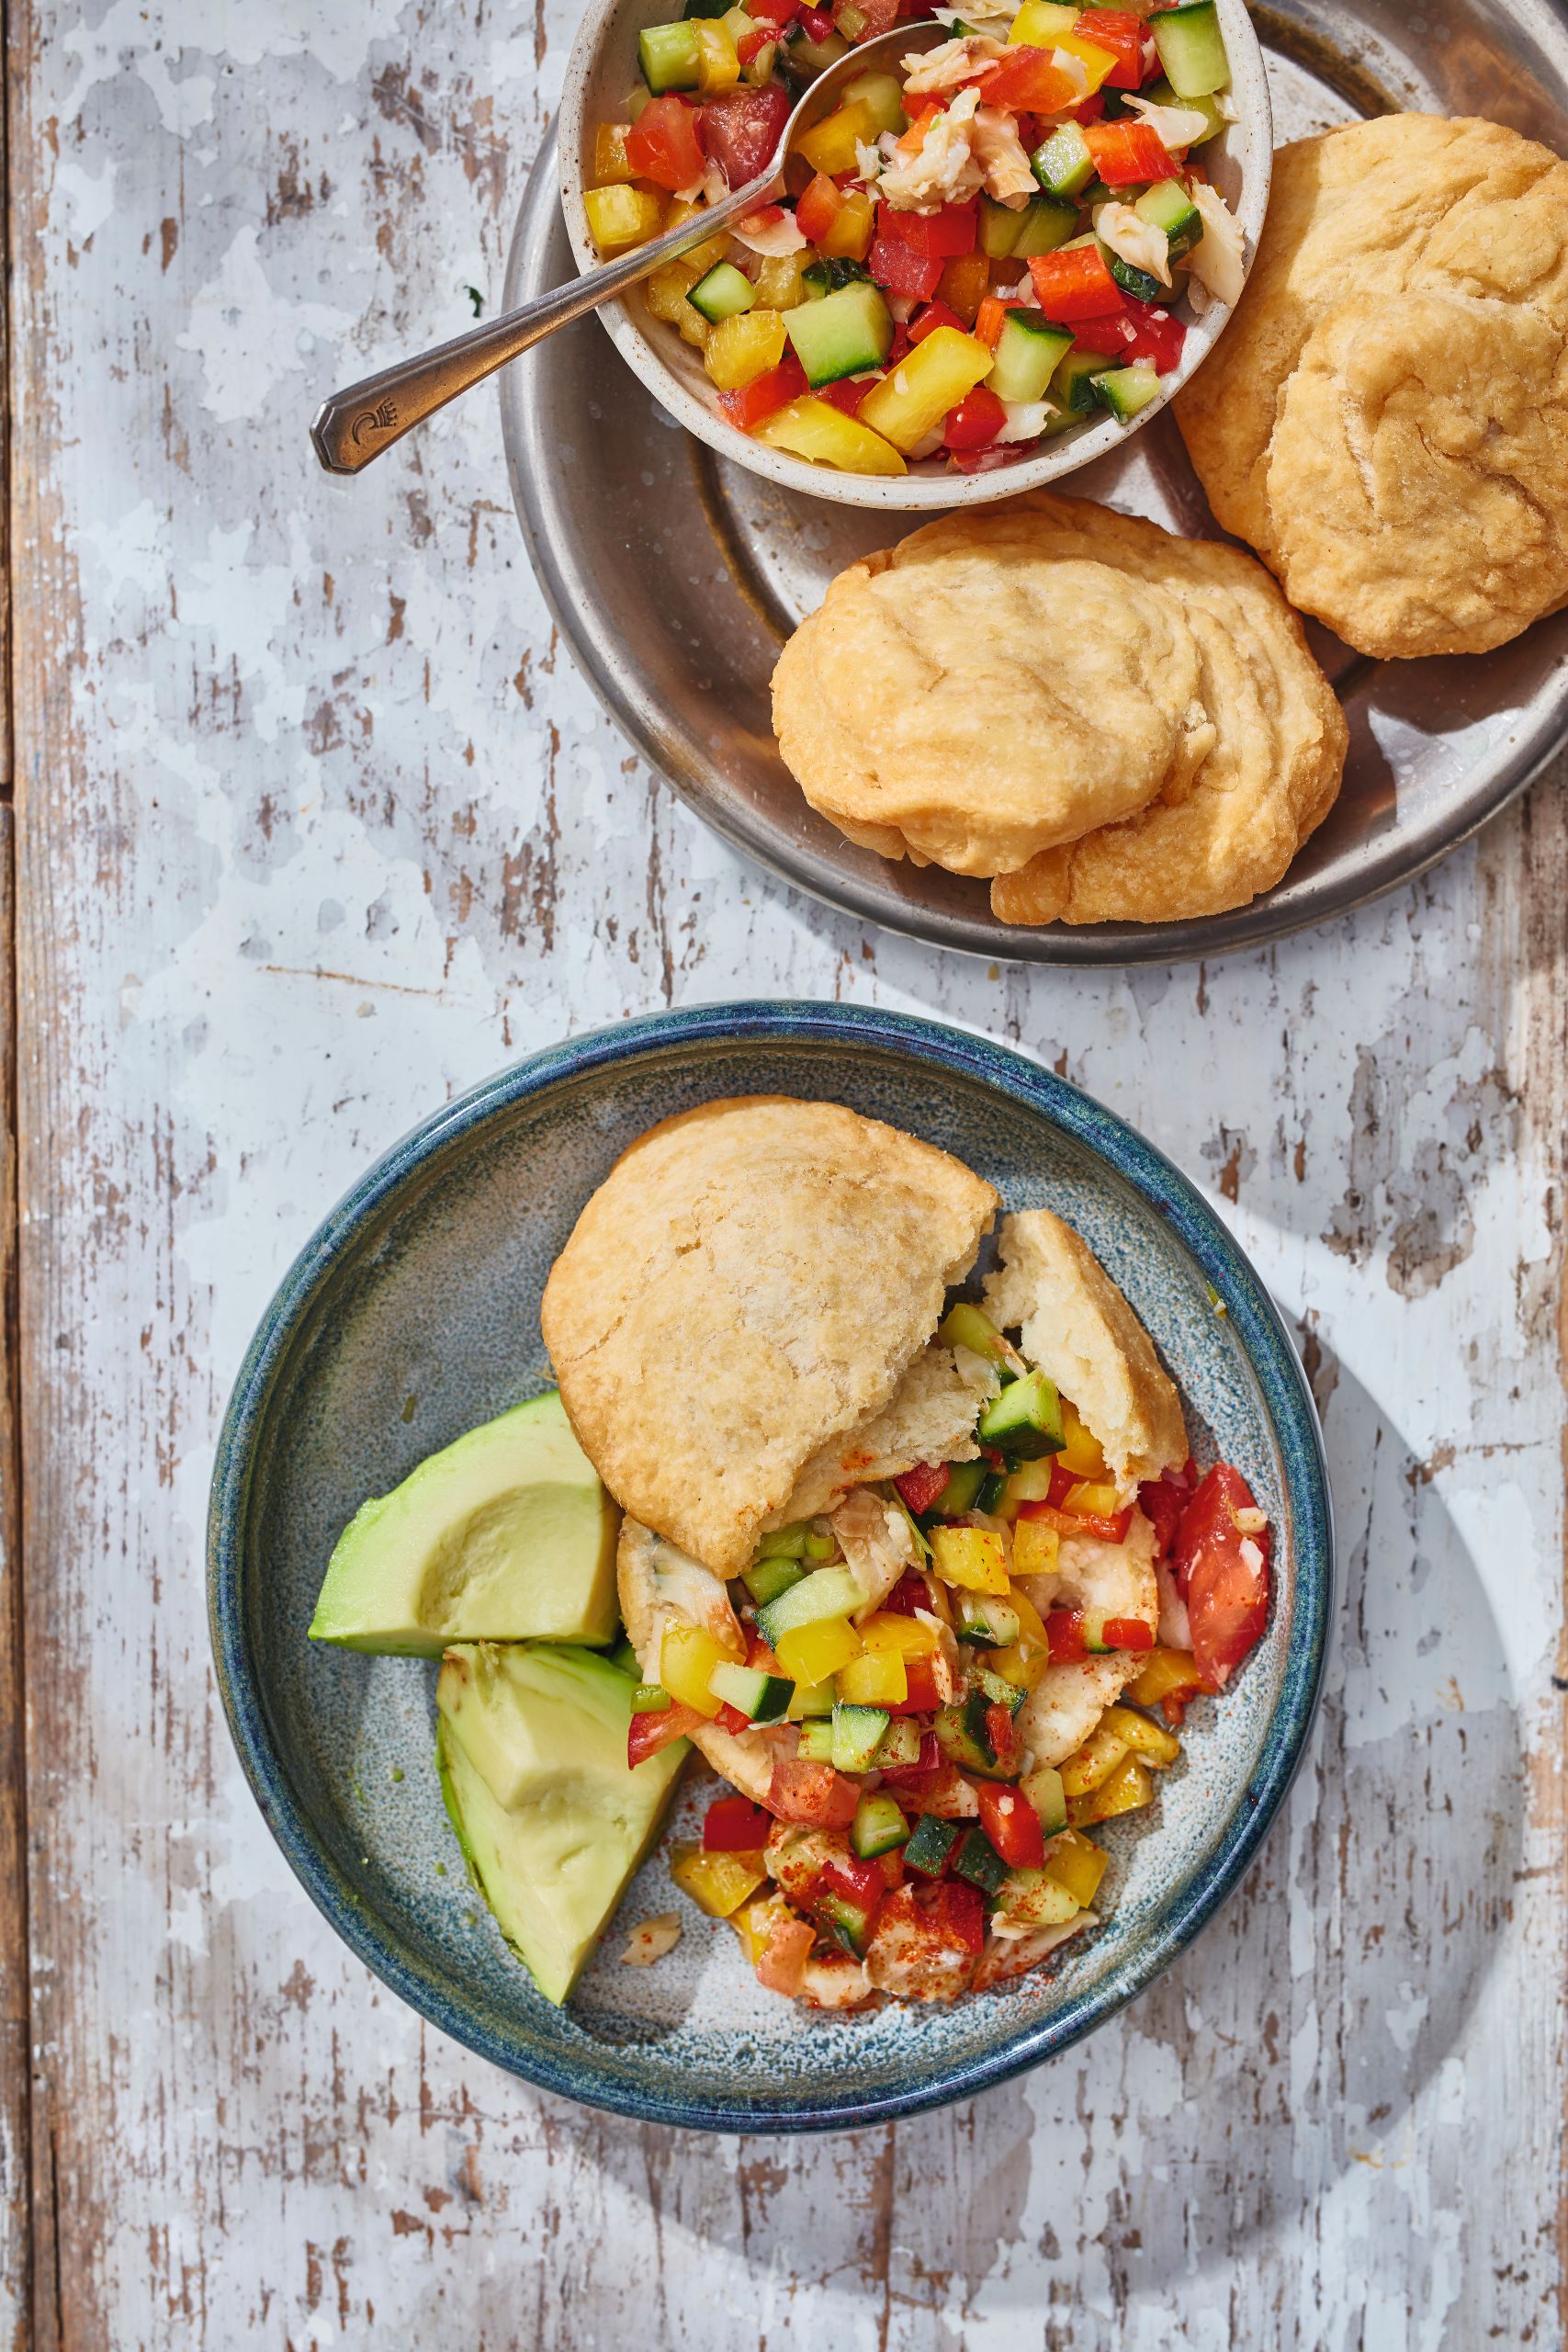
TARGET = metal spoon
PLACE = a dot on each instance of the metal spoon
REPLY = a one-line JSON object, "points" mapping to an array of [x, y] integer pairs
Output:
{"points": [[355, 425]]}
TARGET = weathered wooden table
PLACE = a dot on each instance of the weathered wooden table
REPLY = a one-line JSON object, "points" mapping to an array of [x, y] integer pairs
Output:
{"points": [[310, 828]]}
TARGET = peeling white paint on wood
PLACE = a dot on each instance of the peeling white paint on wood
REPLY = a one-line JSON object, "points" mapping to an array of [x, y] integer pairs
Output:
{"points": [[315, 828]]}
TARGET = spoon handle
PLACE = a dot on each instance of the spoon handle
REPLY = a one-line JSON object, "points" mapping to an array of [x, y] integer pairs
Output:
{"points": [[351, 427]]}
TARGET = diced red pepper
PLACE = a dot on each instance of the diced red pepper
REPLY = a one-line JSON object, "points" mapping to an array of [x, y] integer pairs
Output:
{"points": [[909, 1596], [777, 13], [1028, 78], [731, 1719], [862, 1882], [816, 23], [920, 1696], [900, 269], [989, 318], [1012, 1824], [750, 45], [985, 461], [1162, 1505], [733, 1825], [1080, 1523], [739, 129], [1113, 336], [946, 235], [849, 392], [1127, 1633], [976, 422], [759, 1656], [913, 138], [662, 144], [926, 322], [960, 1910], [1088, 110], [801, 1791], [1003, 1733], [1156, 336], [774, 391], [648, 1734], [1226, 1594], [926, 1765], [919, 1488], [1064, 1633], [1123, 34], [1128, 153], [818, 209], [1076, 285]]}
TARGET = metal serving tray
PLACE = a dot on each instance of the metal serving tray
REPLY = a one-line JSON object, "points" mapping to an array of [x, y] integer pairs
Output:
{"points": [[675, 576]]}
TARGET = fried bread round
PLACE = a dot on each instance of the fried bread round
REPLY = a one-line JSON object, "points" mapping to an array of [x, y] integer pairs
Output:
{"points": [[1385, 419], [752, 1279]]}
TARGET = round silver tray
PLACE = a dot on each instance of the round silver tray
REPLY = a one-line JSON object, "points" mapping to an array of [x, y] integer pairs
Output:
{"points": [[674, 576]]}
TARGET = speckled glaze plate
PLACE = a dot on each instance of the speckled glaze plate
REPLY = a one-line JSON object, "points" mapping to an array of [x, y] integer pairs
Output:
{"points": [[675, 576], [413, 1313]]}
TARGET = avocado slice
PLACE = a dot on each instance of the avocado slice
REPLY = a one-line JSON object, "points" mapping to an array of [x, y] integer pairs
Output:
{"points": [[531, 1744], [504, 1535]]}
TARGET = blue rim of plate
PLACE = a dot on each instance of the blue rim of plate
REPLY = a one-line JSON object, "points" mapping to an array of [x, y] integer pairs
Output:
{"points": [[1159, 1183]]}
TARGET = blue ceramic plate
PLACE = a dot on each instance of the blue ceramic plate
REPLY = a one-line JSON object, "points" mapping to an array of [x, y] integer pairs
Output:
{"points": [[413, 1313]]}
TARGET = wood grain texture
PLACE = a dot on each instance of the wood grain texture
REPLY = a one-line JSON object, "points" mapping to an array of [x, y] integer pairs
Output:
{"points": [[314, 828]]}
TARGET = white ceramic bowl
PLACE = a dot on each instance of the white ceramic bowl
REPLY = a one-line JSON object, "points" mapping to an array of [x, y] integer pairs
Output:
{"points": [[602, 68]]}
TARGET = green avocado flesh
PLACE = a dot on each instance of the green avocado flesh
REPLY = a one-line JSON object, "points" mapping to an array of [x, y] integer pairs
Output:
{"points": [[504, 1535], [531, 1744]]}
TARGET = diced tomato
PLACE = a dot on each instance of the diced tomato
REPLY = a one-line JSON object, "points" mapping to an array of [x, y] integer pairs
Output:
{"points": [[1126, 153], [801, 1791], [782, 1965], [919, 1488], [1127, 1633], [816, 23], [1028, 78], [909, 1596], [1076, 285], [648, 1734], [750, 45], [760, 1658], [739, 131], [818, 209], [921, 1695], [849, 392], [1162, 1505], [733, 1825], [1123, 34], [1114, 336], [1080, 1523], [985, 461], [1012, 1824], [862, 1882], [753, 402], [976, 422], [960, 1910], [1226, 1593], [944, 234], [662, 144], [1064, 1633], [926, 1764], [776, 12], [731, 1719], [900, 270]]}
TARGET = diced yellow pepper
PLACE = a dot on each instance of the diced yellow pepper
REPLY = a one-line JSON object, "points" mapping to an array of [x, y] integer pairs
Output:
{"points": [[754, 1923], [926, 382], [971, 1557], [687, 1657], [1168, 1673], [742, 348], [810, 1699], [1082, 1455], [907, 1635], [1031, 1630], [1094, 1763], [1129, 1789], [665, 292], [813, 1653], [816, 429], [717, 1883], [875, 1678], [718, 66], [853, 226], [1036, 1548], [1095, 62], [703, 258], [1142, 1735], [1040, 24], [738, 24], [781, 280], [1029, 1483], [1075, 1864], [830, 146], [619, 216], [1099, 1502], [1020, 1663], [611, 162]]}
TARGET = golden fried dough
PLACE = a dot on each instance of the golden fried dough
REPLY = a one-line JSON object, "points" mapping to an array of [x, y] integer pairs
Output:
{"points": [[752, 1280], [984, 691], [1073, 1321], [1386, 417], [1272, 778]]}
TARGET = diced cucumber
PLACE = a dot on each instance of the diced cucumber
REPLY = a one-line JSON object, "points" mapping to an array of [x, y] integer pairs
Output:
{"points": [[706, 8], [829, 271], [1043, 1789], [650, 1699], [1036, 1901], [1045, 223], [978, 1861], [960, 1742], [670, 57], [723, 293], [884, 93], [899, 1749], [878, 1826], [1169, 207], [1063, 164], [811, 1699], [930, 1842], [856, 1731], [626, 1657], [1192, 49], [1160, 94], [844, 334], [1142, 284], [765, 1579], [803, 58], [995, 1689], [819, 1547], [993, 1487], [785, 1542], [1125, 390], [964, 1480], [1072, 382], [999, 226], [848, 1923], [762, 1698], [1025, 1420], [985, 1617], [966, 1325], [825, 1592], [817, 1740]]}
